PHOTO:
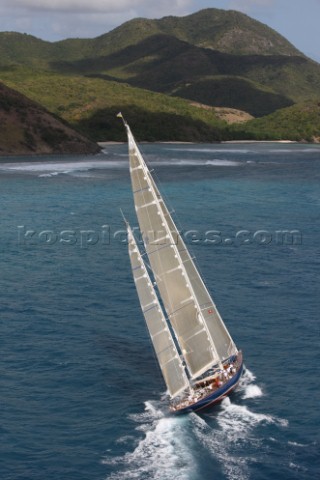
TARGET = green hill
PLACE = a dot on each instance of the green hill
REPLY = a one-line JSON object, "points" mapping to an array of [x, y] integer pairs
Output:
{"points": [[91, 104], [259, 84], [27, 128], [224, 30], [235, 92], [298, 123], [176, 55], [159, 71]]}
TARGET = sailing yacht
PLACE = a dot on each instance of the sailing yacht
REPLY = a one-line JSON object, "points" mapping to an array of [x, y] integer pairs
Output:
{"points": [[199, 360]]}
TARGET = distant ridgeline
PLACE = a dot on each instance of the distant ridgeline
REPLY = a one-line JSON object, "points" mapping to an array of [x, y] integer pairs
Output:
{"points": [[211, 76]]}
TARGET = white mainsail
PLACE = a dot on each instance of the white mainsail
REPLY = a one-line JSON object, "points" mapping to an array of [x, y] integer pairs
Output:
{"points": [[164, 346], [200, 332]]}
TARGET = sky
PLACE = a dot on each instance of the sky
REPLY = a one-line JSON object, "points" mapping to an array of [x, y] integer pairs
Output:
{"points": [[297, 20]]}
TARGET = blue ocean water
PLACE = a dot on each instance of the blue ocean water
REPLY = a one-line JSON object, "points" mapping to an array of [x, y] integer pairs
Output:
{"points": [[81, 394]]}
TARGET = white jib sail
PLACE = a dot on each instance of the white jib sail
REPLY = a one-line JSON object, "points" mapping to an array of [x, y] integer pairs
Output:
{"points": [[164, 346], [200, 331]]}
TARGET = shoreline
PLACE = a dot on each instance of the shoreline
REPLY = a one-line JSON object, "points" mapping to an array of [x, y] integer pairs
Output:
{"points": [[102, 145], [262, 141], [177, 142]]}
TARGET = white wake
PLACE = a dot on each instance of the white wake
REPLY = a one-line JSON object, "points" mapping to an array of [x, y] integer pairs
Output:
{"points": [[233, 431], [165, 452], [172, 446]]}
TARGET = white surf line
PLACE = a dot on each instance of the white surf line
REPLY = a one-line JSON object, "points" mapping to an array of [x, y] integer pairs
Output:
{"points": [[216, 162], [212, 150], [223, 163], [61, 167]]}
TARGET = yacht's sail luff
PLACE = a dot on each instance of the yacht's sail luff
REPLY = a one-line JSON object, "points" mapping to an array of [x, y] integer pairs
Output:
{"points": [[173, 282], [164, 346]]}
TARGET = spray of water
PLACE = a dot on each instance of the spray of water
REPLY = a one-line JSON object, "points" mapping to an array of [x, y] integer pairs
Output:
{"points": [[164, 453], [169, 448]]}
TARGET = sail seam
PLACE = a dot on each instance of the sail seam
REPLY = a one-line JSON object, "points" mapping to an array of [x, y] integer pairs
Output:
{"points": [[180, 308], [145, 205], [136, 268], [148, 309], [141, 190], [157, 249]]}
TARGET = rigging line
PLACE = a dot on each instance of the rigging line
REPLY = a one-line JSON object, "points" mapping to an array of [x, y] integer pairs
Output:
{"points": [[155, 276], [176, 220], [147, 178]]}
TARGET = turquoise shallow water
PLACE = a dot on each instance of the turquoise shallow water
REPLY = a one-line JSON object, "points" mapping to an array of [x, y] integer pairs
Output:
{"points": [[81, 394]]}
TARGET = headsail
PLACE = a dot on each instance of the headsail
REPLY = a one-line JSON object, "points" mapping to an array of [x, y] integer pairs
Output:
{"points": [[165, 349], [200, 331]]}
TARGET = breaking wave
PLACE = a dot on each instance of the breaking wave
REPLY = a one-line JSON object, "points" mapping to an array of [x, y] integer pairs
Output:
{"points": [[223, 163], [217, 162], [222, 149], [49, 169]]}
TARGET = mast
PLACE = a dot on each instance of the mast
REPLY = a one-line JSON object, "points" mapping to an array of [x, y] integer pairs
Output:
{"points": [[200, 331], [164, 346]]}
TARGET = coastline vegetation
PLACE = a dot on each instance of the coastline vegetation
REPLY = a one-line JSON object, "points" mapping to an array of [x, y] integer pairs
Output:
{"points": [[171, 78]]}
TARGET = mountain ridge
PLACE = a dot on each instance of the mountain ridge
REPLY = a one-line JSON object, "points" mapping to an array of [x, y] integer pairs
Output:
{"points": [[165, 64], [219, 29], [214, 58], [228, 31]]}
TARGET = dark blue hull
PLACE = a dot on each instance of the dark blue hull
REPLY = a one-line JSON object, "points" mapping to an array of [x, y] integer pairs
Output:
{"points": [[215, 397]]}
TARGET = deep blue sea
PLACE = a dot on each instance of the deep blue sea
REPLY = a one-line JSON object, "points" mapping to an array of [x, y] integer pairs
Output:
{"points": [[82, 397]]}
